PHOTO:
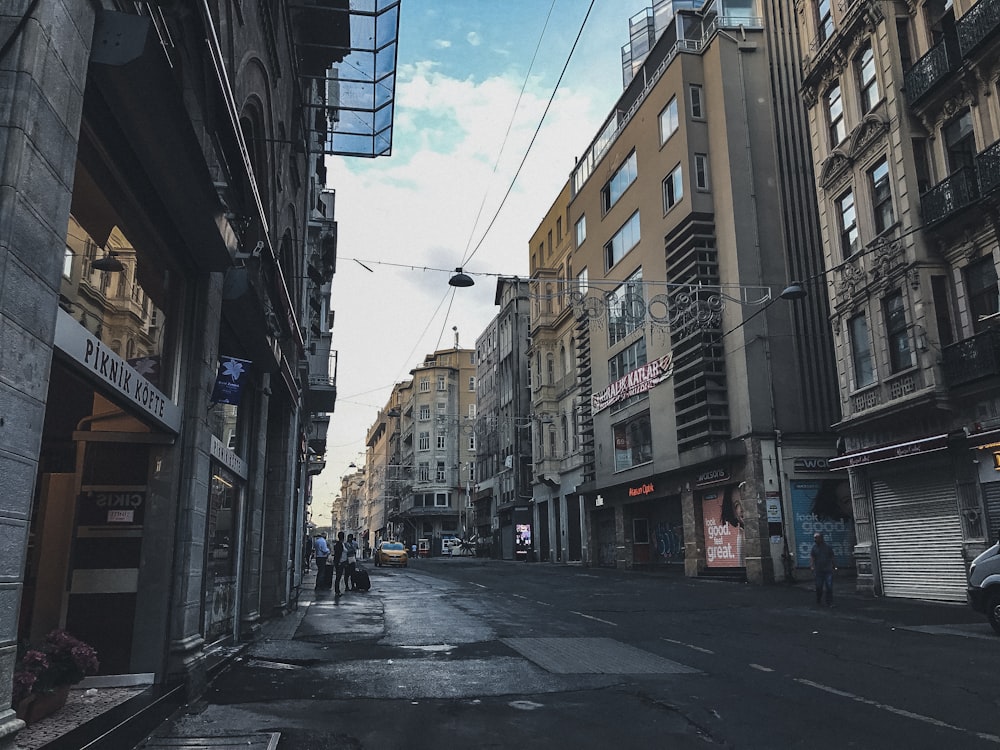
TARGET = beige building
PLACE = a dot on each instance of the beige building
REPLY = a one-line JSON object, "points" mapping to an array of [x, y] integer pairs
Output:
{"points": [[710, 399], [903, 116]]}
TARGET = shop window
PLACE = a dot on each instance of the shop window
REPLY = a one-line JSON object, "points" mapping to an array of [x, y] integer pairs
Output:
{"points": [[633, 442]]}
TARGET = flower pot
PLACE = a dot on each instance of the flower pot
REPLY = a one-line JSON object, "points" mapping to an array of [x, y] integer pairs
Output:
{"points": [[39, 705]]}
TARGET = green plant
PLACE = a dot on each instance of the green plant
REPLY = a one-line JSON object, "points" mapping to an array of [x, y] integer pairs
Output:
{"points": [[60, 660]]}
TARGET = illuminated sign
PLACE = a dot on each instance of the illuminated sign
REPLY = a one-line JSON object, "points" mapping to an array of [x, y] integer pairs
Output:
{"points": [[641, 490]]}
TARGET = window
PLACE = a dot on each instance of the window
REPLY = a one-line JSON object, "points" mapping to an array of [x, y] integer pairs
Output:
{"points": [[624, 240], [824, 20], [424, 441], [441, 442], [942, 310], [633, 443], [897, 335], [835, 115], [697, 111], [921, 164], [960, 142], [581, 230], [673, 189], [881, 197], [559, 229], [425, 384], [903, 39], [424, 412], [701, 171], [861, 352], [619, 182], [981, 288], [472, 383], [668, 120], [441, 407], [472, 443], [867, 80], [442, 383], [582, 282], [68, 264], [626, 308], [439, 473], [441, 499], [629, 359], [423, 472], [849, 242]]}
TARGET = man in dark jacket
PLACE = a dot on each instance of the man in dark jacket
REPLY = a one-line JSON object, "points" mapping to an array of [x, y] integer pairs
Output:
{"points": [[340, 561], [823, 563]]}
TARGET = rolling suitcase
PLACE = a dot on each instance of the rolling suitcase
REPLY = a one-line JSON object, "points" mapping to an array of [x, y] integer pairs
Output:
{"points": [[361, 579]]}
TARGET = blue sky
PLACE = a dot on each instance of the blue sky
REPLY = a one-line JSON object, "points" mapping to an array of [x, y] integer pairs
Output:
{"points": [[461, 66]]}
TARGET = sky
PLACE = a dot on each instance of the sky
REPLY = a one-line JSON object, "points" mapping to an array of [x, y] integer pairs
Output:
{"points": [[462, 127]]}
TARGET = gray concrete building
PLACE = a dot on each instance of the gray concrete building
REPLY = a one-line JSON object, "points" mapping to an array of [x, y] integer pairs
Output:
{"points": [[166, 248]]}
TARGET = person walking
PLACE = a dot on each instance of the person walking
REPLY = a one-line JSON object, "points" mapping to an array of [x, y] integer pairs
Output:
{"points": [[351, 548], [340, 561], [323, 572], [822, 561]]}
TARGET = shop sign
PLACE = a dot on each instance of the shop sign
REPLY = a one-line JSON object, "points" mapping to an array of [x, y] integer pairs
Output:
{"points": [[714, 476], [773, 503], [640, 380], [641, 490], [806, 464], [227, 458], [106, 367], [900, 450], [108, 508]]}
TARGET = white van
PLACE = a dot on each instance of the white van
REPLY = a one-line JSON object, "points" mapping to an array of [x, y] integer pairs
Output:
{"points": [[984, 585]]}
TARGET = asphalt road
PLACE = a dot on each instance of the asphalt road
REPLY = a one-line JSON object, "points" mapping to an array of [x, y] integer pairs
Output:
{"points": [[464, 653]]}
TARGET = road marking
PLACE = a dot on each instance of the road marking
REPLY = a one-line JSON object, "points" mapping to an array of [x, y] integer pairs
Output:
{"points": [[477, 584], [520, 596], [688, 645], [544, 604], [761, 668], [591, 617], [900, 711]]}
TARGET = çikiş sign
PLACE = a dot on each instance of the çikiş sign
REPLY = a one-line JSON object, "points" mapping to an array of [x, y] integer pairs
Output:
{"points": [[638, 381]]}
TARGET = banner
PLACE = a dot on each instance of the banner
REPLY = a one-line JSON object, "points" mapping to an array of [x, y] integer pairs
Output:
{"points": [[640, 380], [229, 380]]}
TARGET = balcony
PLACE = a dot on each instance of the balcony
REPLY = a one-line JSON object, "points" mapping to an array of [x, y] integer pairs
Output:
{"points": [[955, 192], [321, 394], [972, 359], [980, 23], [988, 169], [930, 70]]}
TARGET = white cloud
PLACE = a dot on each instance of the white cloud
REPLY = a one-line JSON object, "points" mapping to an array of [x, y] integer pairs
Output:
{"points": [[418, 208], [473, 38], [442, 43]]}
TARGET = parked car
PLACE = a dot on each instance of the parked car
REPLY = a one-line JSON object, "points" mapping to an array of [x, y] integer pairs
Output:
{"points": [[391, 553], [984, 585]]}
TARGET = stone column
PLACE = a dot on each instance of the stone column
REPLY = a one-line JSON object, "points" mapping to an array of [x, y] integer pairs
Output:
{"points": [[42, 76]]}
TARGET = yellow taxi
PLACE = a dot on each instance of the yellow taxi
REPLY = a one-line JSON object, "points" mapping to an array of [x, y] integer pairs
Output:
{"points": [[391, 553]]}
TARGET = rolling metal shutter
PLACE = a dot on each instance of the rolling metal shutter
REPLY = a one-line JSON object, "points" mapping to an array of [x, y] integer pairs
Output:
{"points": [[991, 492], [919, 534]]}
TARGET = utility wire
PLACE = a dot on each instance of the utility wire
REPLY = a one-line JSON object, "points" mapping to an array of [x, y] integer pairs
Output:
{"points": [[527, 151]]}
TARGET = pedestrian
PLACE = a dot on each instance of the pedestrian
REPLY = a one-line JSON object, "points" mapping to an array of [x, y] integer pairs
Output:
{"points": [[323, 572], [351, 547], [340, 561], [823, 562]]}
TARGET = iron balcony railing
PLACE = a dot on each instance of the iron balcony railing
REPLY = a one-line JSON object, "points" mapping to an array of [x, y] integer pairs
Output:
{"points": [[956, 191], [930, 70], [972, 359], [981, 22], [988, 169]]}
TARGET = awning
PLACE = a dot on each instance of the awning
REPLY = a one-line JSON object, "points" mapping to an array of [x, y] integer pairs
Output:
{"points": [[890, 452]]}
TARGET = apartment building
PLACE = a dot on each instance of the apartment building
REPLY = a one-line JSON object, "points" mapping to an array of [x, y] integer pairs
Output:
{"points": [[167, 243], [903, 118], [711, 397], [557, 407]]}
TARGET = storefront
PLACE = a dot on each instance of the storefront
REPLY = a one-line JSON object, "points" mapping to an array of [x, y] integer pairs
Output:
{"points": [[909, 495]]}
